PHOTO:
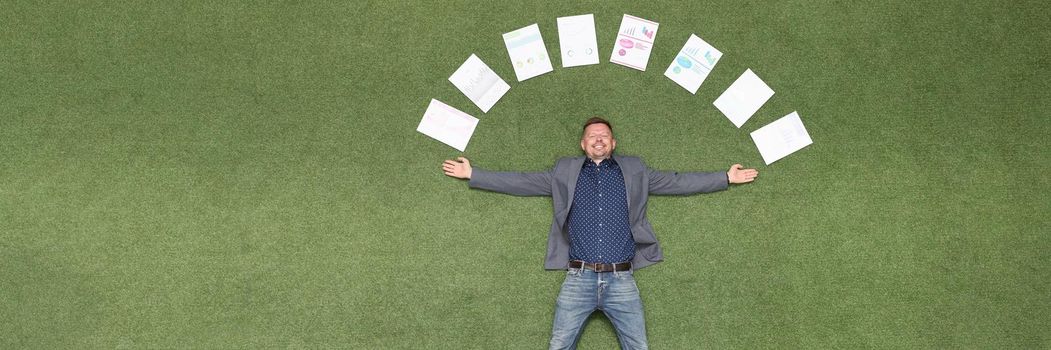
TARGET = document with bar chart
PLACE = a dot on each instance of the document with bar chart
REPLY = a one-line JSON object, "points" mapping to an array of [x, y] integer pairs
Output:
{"points": [[693, 63], [634, 42]]}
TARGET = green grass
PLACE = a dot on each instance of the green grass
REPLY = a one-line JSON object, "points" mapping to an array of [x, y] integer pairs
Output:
{"points": [[246, 175]]}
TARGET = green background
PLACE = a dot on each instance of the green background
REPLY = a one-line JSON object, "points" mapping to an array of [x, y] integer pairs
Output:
{"points": [[238, 174]]}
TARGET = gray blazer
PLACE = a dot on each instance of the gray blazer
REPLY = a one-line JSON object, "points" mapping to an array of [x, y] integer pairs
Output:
{"points": [[561, 181]]}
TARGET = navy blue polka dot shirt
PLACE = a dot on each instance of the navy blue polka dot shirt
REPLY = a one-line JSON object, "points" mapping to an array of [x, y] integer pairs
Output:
{"points": [[598, 218]]}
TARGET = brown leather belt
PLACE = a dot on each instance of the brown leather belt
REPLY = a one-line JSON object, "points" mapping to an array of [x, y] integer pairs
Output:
{"points": [[600, 267]]}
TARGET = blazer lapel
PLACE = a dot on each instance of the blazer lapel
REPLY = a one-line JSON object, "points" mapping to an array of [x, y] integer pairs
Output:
{"points": [[626, 172], [574, 173]]}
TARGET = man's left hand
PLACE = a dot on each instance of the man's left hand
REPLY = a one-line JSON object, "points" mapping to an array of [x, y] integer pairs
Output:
{"points": [[738, 175]]}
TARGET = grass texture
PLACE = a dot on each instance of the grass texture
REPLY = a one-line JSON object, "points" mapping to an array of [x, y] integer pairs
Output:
{"points": [[238, 174]]}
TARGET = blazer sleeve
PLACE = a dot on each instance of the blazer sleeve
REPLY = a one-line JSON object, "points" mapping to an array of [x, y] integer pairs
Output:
{"points": [[513, 183], [669, 182]]}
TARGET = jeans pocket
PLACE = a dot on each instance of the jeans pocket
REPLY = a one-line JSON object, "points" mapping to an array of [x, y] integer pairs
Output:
{"points": [[624, 275], [573, 272]]}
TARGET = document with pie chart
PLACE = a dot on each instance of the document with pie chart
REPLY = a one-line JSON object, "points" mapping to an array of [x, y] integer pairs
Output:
{"points": [[576, 39], [527, 51], [449, 125], [693, 63], [634, 42]]}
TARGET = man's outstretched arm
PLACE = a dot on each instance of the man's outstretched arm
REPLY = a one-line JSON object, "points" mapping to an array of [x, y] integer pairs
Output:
{"points": [[687, 183], [519, 184]]}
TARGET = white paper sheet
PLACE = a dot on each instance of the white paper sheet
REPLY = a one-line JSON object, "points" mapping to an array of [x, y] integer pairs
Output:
{"points": [[781, 138], [693, 63], [576, 39], [634, 42], [743, 98], [527, 51], [447, 124], [479, 83]]}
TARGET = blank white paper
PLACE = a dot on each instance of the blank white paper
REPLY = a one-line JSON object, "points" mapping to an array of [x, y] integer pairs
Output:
{"points": [[781, 138], [576, 39], [634, 42], [479, 83], [448, 125], [693, 63], [528, 54], [743, 98]]}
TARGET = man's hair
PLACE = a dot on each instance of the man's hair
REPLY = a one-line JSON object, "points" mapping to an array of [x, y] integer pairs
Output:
{"points": [[596, 120]]}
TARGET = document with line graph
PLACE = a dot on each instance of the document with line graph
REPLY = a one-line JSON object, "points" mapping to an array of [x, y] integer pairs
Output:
{"points": [[476, 80], [634, 42]]}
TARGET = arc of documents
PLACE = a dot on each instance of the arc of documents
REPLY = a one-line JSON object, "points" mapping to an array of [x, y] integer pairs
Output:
{"points": [[632, 48]]}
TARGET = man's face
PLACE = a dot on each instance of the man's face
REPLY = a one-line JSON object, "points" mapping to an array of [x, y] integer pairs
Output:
{"points": [[598, 142]]}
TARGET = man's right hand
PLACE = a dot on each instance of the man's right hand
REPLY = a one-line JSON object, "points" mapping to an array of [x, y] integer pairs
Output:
{"points": [[459, 169]]}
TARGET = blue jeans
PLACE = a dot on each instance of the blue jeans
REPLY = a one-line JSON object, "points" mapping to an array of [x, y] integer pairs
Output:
{"points": [[615, 293]]}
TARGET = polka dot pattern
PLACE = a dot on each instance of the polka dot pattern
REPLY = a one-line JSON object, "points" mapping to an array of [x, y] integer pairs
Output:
{"points": [[598, 218]]}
